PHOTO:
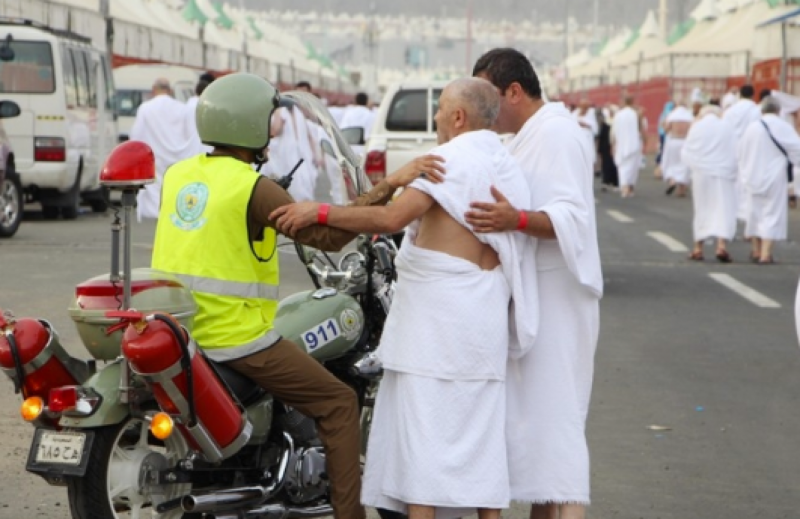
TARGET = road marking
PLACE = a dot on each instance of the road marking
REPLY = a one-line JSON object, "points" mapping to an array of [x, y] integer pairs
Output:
{"points": [[668, 241], [620, 217], [752, 295]]}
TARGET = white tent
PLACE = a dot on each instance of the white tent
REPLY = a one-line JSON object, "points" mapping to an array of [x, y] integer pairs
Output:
{"points": [[591, 73], [91, 5], [148, 29], [229, 39], [171, 19], [706, 10], [84, 20], [649, 38], [681, 58], [738, 38], [769, 39], [702, 30], [626, 66], [737, 33], [134, 11], [690, 56], [579, 58]]}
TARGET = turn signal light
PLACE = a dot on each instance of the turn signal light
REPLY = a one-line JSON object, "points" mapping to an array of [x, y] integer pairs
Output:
{"points": [[161, 426], [32, 408]]}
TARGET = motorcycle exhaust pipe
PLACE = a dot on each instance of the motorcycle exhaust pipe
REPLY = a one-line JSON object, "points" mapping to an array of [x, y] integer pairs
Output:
{"points": [[278, 511], [224, 499]]}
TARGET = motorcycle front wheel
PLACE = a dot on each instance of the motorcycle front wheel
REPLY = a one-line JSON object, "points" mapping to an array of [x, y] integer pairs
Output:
{"points": [[115, 486]]}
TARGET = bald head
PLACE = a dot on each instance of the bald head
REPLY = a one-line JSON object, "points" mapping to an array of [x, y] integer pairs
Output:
{"points": [[770, 105], [161, 86], [466, 104]]}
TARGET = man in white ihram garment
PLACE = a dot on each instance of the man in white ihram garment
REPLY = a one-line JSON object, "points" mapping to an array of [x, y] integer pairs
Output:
{"points": [[707, 154], [730, 98], [765, 151], [359, 115], [675, 172], [291, 141], [437, 447], [550, 387], [739, 115], [627, 143], [587, 119], [162, 124]]}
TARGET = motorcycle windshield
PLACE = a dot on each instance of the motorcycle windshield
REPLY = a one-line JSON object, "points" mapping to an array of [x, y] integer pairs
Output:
{"points": [[306, 141]]}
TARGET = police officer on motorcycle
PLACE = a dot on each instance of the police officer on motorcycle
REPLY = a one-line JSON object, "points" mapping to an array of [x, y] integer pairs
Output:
{"points": [[214, 233]]}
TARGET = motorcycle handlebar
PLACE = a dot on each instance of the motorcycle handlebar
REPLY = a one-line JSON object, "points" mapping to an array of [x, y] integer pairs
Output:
{"points": [[384, 258], [378, 247], [329, 275]]}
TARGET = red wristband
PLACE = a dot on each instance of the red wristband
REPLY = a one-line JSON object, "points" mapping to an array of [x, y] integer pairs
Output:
{"points": [[322, 214], [523, 221]]}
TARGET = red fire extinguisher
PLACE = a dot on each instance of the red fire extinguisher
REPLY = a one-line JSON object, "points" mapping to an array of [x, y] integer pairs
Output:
{"points": [[33, 358], [184, 384]]}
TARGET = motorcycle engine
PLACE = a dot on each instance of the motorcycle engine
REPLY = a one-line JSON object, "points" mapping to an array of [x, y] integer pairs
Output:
{"points": [[307, 478], [301, 428]]}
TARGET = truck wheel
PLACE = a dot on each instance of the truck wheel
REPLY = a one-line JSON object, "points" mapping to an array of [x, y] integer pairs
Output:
{"points": [[50, 212], [70, 212], [11, 204], [98, 199], [114, 484], [71, 207], [99, 206]]}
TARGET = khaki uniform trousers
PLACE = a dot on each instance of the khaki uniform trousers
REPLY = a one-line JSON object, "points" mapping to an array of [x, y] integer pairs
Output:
{"points": [[296, 379]]}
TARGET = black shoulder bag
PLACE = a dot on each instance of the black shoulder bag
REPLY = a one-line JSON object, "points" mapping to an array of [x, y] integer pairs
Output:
{"points": [[790, 168]]}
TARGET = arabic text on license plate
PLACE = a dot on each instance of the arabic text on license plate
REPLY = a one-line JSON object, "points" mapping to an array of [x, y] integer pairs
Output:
{"points": [[60, 447]]}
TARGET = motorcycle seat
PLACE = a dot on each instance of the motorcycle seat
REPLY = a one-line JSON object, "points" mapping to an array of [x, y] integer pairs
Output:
{"points": [[244, 389]]}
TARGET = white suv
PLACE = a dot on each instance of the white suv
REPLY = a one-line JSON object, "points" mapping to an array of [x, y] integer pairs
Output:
{"points": [[404, 128]]}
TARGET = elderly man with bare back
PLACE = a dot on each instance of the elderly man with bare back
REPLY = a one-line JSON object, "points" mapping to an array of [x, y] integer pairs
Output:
{"points": [[437, 447]]}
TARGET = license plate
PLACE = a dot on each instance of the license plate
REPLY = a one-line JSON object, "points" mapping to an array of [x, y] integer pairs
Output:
{"points": [[60, 453], [61, 448]]}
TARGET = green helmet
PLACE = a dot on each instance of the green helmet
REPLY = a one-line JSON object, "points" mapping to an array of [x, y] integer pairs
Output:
{"points": [[236, 110]]}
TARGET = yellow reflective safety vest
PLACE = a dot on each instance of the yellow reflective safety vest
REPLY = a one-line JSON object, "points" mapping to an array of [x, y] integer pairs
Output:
{"points": [[202, 238]]}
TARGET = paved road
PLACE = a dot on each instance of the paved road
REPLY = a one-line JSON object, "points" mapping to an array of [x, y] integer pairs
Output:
{"points": [[678, 350]]}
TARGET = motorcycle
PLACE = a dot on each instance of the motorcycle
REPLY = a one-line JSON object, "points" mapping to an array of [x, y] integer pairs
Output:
{"points": [[160, 430]]}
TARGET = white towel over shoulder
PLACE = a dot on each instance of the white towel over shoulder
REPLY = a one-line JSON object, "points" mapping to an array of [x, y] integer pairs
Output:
{"points": [[475, 161]]}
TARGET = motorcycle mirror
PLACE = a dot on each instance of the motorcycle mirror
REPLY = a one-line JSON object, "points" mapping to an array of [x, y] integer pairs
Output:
{"points": [[337, 174], [9, 109], [354, 135], [6, 52], [305, 253]]}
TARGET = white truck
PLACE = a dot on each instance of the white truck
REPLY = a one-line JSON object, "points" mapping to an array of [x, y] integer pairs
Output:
{"points": [[403, 129], [63, 88]]}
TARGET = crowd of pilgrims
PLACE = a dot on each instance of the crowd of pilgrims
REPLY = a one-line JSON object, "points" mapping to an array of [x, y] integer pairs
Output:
{"points": [[734, 156], [169, 127]]}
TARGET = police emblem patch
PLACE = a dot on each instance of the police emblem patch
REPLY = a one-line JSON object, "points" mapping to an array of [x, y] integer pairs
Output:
{"points": [[189, 207], [350, 323]]}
